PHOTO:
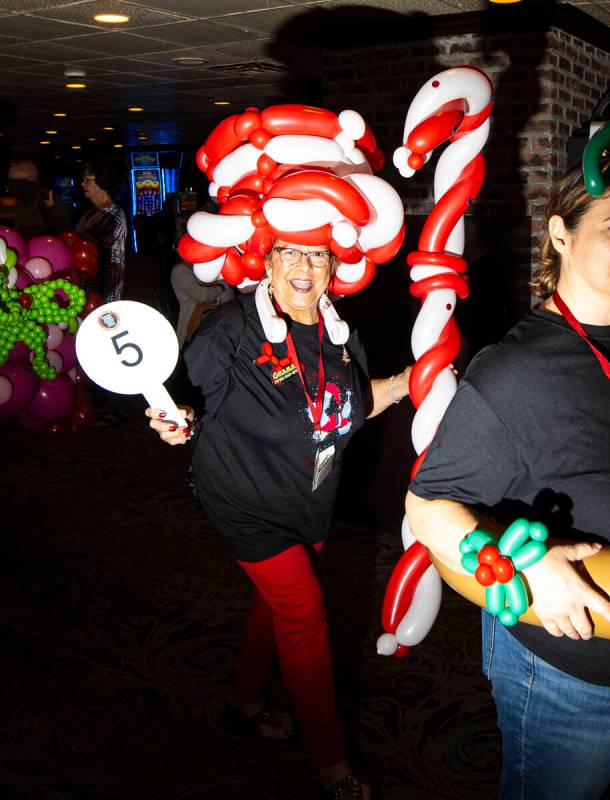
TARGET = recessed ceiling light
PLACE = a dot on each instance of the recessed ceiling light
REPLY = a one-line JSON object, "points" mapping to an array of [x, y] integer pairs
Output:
{"points": [[135, 108], [74, 72], [222, 102], [76, 147], [55, 156], [142, 138], [76, 85], [50, 132], [117, 145], [91, 139], [189, 61], [108, 128], [60, 114], [111, 19], [44, 141]]}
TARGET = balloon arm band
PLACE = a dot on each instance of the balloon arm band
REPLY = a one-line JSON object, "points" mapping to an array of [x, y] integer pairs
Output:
{"points": [[496, 565], [595, 180]]}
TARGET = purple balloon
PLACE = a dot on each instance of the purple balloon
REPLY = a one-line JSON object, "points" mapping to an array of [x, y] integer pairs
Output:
{"points": [[67, 350], [24, 382], [16, 242], [28, 423], [39, 268], [23, 279], [53, 400], [19, 352], [53, 249]]}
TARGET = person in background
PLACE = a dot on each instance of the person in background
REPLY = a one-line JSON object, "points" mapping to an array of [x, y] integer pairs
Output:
{"points": [[196, 299], [528, 435], [38, 211], [106, 226]]}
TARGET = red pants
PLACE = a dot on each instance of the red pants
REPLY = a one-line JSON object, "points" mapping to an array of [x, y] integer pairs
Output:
{"points": [[288, 611]]}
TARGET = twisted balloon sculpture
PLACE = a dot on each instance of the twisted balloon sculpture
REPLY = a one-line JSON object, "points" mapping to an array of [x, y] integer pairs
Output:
{"points": [[453, 106], [299, 174]]}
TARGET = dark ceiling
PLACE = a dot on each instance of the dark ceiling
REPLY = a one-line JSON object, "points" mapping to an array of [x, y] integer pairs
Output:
{"points": [[249, 54]]}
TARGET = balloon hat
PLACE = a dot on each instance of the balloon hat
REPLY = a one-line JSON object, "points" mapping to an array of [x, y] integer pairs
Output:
{"points": [[300, 174]]}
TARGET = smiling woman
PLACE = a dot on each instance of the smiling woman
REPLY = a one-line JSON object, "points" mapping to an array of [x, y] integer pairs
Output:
{"points": [[285, 385]]}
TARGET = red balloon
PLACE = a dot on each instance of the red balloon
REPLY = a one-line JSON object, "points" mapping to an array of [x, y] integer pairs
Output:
{"points": [[320, 235], [239, 205], [85, 259], [265, 164], [259, 138], [339, 287], [503, 569], [222, 140], [485, 575], [402, 585], [82, 417], [233, 269], [247, 122], [201, 159], [70, 238], [488, 554], [194, 252], [55, 429], [92, 302], [386, 252], [297, 118]]}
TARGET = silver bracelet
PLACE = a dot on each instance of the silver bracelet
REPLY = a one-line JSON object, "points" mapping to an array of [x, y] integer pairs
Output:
{"points": [[392, 393]]}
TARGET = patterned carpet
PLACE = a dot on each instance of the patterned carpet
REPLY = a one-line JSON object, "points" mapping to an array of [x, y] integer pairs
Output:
{"points": [[120, 622]]}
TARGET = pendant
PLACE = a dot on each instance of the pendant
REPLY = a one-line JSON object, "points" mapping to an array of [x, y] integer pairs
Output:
{"points": [[345, 357]]}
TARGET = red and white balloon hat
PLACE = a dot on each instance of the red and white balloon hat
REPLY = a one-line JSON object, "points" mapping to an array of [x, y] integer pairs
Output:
{"points": [[300, 174]]}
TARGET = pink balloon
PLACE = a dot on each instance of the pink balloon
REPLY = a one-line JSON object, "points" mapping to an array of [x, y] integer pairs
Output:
{"points": [[55, 360], [39, 268], [16, 242], [28, 423], [6, 390], [53, 400], [67, 351], [24, 385], [55, 336], [19, 352], [53, 249]]}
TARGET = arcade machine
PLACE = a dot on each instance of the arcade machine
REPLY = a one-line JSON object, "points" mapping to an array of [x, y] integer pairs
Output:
{"points": [[153, 175], [66, 187]]}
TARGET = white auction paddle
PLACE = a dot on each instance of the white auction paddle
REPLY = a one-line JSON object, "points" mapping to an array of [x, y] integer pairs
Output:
{"points": [[129, 348]]}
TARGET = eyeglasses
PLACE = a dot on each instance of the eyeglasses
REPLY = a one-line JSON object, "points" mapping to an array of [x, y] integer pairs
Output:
{"points": [[88, 179], [290, 257]]}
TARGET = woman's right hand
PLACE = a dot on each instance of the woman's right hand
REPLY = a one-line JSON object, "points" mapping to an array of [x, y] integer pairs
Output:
{"points": [[561, 596], [167, 431]]}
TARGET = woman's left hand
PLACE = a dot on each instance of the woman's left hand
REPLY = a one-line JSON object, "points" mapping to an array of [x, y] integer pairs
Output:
{"points": [[167, 431]]}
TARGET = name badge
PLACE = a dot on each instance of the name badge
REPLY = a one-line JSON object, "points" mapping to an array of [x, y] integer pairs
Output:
{"points": [[322, 466]]}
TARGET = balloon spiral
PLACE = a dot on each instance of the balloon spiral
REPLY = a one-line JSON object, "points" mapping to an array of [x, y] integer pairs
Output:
{"points": [[453, 106]]}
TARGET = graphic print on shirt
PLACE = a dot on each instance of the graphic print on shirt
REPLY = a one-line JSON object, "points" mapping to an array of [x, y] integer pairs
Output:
{"points": [[336, 414], [281, 368]]}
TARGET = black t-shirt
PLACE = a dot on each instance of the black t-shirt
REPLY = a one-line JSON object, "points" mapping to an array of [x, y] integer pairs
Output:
{"points": [[530, 426], [253, 456]]}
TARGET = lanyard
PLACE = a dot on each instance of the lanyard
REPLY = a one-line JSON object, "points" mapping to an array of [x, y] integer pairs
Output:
{"points": [[571, 320], [315, 408]]}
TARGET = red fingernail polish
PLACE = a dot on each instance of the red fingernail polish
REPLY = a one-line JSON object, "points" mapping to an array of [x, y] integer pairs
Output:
{"points": [[162, 414], [172, 428]]}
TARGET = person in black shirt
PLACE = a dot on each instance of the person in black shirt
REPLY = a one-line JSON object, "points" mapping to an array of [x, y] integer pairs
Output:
{"points": [[266, 464], [528, 434]]}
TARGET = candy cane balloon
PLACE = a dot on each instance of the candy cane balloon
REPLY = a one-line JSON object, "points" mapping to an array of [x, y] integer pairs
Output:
{"points": [[299, 174], [454, 105]]}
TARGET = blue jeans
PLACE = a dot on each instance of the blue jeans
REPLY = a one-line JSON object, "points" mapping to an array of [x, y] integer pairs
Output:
{"points": [[555, 728]]}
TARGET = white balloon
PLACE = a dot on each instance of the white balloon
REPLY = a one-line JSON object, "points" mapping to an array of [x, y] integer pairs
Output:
{"points": [[219, 230], [431, 411], [298, 215], [54, 337], [208, 271], [12, 277], [233, 167], [303, 149], [386, 645], [405, 531], [6, 389], [423, 611], [344, 233], [352, 123], [434, 314], [389, 212], [350, 273]]}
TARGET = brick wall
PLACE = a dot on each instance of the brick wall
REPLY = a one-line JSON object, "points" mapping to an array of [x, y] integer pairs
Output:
{"points": [[547, 82]]}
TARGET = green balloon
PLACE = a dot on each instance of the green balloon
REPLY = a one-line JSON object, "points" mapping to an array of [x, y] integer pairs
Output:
{"points": [[529, 554], [591, 161], [514, 536], [495, 598], [11, 258], [516, 596], [470, 562]]}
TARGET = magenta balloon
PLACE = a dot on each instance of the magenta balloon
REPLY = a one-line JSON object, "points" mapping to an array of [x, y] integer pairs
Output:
{"points": [[67, 351], [53, 400], [39, 268], [19, 352], [23, 279], [6, 390], [24, 382], [53, 249], [55, 336], [28, 423], [16, 242]]}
